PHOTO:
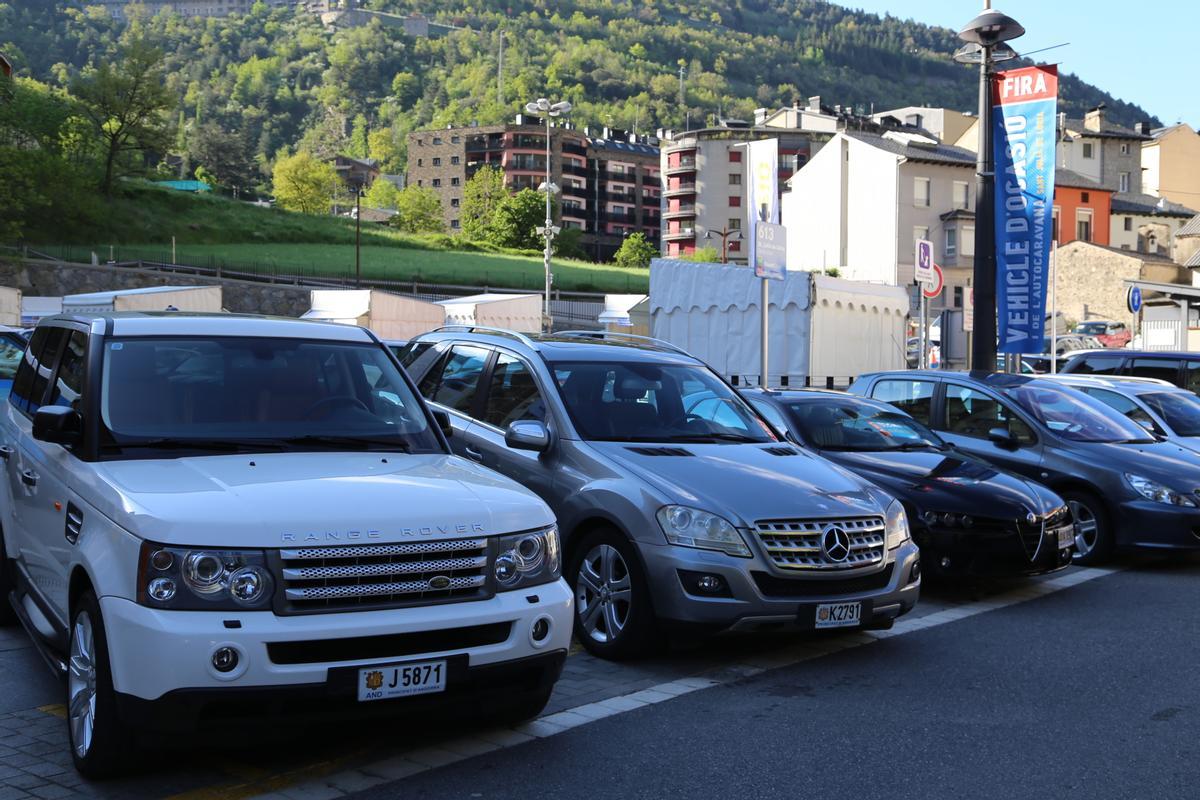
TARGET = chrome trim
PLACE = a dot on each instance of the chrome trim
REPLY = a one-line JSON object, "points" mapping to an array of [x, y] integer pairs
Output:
{"points": [[376, 589], [377, 550], [796, 544]]}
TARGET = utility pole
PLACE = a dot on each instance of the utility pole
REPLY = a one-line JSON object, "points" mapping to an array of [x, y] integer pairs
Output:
{"points": [[682, 95], [357, 237], [500, 72]]}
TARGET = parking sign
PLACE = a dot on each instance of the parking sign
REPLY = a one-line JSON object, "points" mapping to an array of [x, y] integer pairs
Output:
{"points": [[923, 261], [770, 251]]}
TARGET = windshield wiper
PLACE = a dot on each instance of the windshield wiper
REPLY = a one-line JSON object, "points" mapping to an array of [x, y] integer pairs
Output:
{"points": [[716, 437], [918, 446], [356, 442], [217, 445]]}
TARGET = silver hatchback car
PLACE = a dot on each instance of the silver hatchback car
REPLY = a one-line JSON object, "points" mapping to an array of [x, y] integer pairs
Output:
{"points": [[678, 504]]}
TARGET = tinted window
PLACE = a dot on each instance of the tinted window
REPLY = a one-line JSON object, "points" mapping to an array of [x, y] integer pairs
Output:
{"points": [[973, 413], [1075, 416], [913, 397], [1179, 409], [772, 414], [1099, 364], [846, 425], [1192, 376], [10, 357], [1164, 369], [1120, 402], [411, 352], [29, 386], [458, 381], [512, 394], [68, 383]]}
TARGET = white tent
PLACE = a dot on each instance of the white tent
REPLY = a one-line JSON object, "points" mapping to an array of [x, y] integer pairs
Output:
{"points": [[148, 298], [517, 312], [34, 308], [390, 316]]}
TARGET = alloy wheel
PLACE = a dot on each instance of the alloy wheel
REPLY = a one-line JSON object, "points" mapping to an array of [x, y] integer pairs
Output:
{"points": [[603, 596], [81, 685], [1087, 529]]}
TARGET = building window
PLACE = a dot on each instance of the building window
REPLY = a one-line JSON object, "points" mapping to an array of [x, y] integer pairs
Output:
{"points": [[454, 181], [1087, 150], [735, 200], [454, 201], [1083, 225], [437, 162], [735, 179], [1054, 225], [455, 139], [1124, 182], [454, 159], [420, 162], [437, 183], [735, 224], [962, 195], [420, 182], [454, 224], [1085, 197], [967, 246], [735, 246], [920, 191], [1124, 148], [1129, 223], [437, 140], [958, 297], [420, 142], [951, 242], [920, 232]]}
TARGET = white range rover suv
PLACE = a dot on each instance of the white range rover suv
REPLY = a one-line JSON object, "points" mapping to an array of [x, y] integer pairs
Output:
{"points": [[213, 518]]}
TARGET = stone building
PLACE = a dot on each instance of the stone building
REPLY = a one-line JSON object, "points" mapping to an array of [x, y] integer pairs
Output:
{"points": [[1091, 279]]}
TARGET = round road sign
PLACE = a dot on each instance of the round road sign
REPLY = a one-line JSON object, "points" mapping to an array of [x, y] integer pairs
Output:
{"points": [[932, 290], [1133, 300]]}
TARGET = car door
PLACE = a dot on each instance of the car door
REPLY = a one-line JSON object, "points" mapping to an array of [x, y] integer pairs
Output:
{"points": [[968, 414], [453, 385]]}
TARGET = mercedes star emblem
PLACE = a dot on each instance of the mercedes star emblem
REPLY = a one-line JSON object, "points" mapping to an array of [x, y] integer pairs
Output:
{"points": [[835, 544]]}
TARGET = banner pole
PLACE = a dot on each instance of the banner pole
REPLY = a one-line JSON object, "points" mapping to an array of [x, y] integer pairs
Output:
{"points": [[923, 361], [1053, 307], [762, 381]]}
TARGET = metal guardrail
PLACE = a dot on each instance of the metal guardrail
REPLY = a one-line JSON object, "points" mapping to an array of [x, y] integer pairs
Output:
{"points": [[839, 382]]}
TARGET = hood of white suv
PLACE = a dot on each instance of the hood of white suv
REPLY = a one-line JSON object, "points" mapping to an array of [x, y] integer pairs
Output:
{"points": [[289, 499], [746, 482]]}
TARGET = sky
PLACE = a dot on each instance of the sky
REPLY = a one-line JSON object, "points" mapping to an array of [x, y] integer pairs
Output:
{"points": [[1145, 58]]}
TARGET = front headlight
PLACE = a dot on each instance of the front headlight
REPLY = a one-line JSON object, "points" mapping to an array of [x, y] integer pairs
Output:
{"points": [[691, 527], [190, 579], [1152, 490], [896, 525], [528, 559]]}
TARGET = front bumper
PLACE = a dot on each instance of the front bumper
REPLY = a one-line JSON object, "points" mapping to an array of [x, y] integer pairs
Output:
{"points": [[757, 596], [962, 552], [155, 652], [1157, 526]]}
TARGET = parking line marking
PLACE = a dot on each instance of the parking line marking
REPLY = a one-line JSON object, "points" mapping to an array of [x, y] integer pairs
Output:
{"points": [[55, 710], [321, 785]]}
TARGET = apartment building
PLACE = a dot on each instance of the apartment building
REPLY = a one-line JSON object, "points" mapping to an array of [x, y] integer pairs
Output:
{"points": [[1082, 208], [609, 185], [1109, 154], [946, 124], [862, 202], [1171, 164], [189, 8]]}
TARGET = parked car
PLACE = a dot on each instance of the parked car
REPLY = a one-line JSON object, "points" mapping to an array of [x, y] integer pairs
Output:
{"points": [[262, 520], [678, 504], [1125, 488], [1166, 411], [1109, 333], [967, 516], [1180, 369], [12, 347]]}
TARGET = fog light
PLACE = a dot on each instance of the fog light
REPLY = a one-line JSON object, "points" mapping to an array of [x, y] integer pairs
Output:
{"points": [[945, 563], [161, 589], [225, 659], [915, 574], [930, 517], [541, 629], [709, 583]]}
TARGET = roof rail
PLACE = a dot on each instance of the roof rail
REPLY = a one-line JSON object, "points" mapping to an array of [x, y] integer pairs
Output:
{"points": [[522, 338], [664, 345]]}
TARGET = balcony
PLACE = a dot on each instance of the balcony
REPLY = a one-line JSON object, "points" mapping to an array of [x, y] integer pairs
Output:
{"points": [[680, 189], [621, 217], [689, 146], [575, 191], [620, 197], [621, 177], [574, 148], [685, 165], [683, 210], [480, 144], [679, 235], [579, 172]]}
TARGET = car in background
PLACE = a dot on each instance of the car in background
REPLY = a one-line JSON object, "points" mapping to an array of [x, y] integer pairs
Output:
{"points": [[1181, 369], [12, 346], [395, 345], [1166, 411], [1109, 333], [680, 507], [967, 516], [1124, 486]]}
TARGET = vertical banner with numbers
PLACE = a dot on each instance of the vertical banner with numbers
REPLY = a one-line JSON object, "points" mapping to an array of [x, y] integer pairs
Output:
{"points": [[762, 187], [1024, 108]]}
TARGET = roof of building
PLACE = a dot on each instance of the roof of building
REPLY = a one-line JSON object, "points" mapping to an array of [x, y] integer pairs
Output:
{"points": [[1073, 180], [1108, 130], [1148, 205], [635, 148], [1194, 261], [929, 153], [5, 65], [958, 213], [1190, 228], [1139, 255]]}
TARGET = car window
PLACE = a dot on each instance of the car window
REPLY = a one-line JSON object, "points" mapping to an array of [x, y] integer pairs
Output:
{"points": [[458, 380], [972, 413], [512, 394], [29, 385], [915, 398], [1126, 406], [1192, 376], [10, 357], [1180, 409], [68, 383], [1164, 369], [772, 414], [1100, 364], [410, 352]]}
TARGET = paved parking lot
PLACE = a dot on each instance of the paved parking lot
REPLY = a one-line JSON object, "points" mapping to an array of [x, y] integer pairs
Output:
{"points": [[34, 762]]}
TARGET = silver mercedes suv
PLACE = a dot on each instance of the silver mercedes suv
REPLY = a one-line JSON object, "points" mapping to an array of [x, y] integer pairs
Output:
{"points": [[678, 504]]}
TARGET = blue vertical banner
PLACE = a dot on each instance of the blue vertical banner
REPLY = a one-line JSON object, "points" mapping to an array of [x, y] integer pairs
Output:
{"points": [[1024, 109]]}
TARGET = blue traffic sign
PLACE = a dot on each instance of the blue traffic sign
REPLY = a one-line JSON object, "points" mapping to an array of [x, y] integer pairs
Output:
{"points": [[1134, 299]]}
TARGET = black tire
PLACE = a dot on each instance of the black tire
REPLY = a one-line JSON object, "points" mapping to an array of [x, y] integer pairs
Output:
{"points": [[1094, 536], [111, 747], [630, 613], [8, 616]]}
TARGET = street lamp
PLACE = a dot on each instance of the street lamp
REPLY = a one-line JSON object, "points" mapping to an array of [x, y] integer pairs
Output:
{"points": [[985, 36], [358, 195], [547, 110], [725, 235]]}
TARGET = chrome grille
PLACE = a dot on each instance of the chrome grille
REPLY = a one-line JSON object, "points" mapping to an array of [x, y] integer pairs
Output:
{"points": [[383, 575], [796, 544]]}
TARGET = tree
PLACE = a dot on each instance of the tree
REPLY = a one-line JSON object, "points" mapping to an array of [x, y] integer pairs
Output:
{"points": [[225, 155], [635, 252], [382, 194], [420, 210], [382, 146], [516, 218], [569, 244], [705, 255], [127, 101], [482, 195], [304, 184]]}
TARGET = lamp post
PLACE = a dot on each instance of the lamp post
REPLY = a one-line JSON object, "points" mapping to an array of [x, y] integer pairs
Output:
{"points": [[547, 110], [358, 193], [985, 36], [725, 235]]}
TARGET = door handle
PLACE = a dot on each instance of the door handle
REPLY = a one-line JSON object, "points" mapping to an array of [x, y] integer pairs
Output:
{"points": [[473, 454], [5, 452], [29, 477]]}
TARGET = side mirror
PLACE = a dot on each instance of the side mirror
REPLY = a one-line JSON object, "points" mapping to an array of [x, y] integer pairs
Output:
{"points": [[58, 424], [528, 435], [1001, 437], [443, 421]]}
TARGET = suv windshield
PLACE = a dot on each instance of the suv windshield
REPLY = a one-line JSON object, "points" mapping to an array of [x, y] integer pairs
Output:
{"points": [[853, 426], [655, 403], [1075, 416], [1181, 410], [237, 394]]}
